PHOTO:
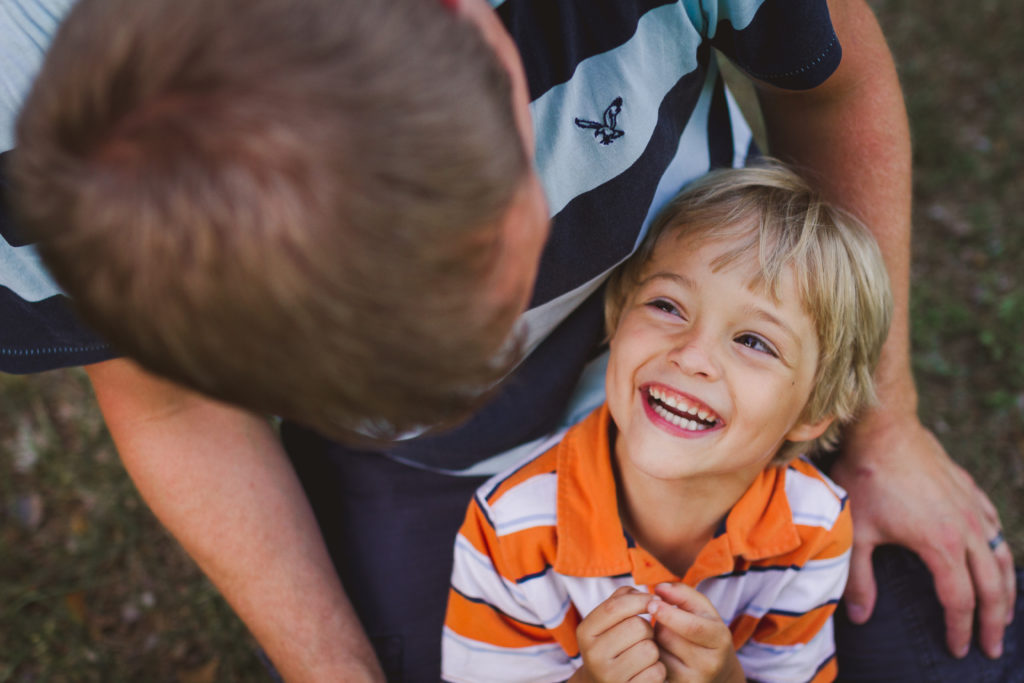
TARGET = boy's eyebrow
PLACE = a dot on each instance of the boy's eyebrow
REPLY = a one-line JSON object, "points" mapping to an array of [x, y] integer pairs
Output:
{"points": [[682, 280]]}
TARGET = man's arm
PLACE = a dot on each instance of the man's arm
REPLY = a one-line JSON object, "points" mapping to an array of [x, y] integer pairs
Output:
{"points": [[219, 480], [852, 134]]}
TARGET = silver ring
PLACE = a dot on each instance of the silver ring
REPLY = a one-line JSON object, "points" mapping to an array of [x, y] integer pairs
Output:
{"points": [[996, 540]]}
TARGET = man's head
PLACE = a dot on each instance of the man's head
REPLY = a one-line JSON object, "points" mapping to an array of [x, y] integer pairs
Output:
{"points": [[794, 241], [324, 210]]}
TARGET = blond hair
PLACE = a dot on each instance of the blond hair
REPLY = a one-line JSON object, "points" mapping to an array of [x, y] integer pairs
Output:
{"points": [[840, 275], [286, 205]]}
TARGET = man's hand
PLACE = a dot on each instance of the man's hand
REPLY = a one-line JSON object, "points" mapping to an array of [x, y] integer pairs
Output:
{"points": [[947, 521], [696, 645], [617, 644]]}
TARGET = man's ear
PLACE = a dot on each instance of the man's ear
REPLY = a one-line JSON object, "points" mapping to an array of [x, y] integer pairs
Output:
{"points": [[805, 431]]}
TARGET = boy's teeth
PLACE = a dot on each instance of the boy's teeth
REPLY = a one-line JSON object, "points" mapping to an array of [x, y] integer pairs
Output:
{"points": [[678, 420], [680, 404]]}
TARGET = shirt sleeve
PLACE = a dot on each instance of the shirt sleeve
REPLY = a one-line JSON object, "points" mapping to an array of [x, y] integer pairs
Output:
{"points": [[794, 640], [26, 27], [38, 329], [786, 43], [491, 632]]}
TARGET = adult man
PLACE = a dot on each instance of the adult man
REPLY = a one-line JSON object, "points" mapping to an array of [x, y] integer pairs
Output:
{"points": [[217, 477]]}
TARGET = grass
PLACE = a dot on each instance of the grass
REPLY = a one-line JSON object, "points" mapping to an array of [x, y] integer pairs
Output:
{"points": [[92, 588], [968, 297]]}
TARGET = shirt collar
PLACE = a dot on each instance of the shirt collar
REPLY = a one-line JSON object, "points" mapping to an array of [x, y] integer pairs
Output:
{"points": [[592, 542]]}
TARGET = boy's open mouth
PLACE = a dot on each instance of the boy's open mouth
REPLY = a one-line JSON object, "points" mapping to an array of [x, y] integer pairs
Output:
{"points": [[682, 412]]}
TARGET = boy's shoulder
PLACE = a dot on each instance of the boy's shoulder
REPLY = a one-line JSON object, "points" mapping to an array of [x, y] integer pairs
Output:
{"points": [[813, 498], [792, 514], [540, 471], [530, 487], [512, 520], [819, 511]]}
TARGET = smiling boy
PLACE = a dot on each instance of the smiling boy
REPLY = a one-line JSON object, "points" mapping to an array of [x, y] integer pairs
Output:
{"points": [[744, 332]]}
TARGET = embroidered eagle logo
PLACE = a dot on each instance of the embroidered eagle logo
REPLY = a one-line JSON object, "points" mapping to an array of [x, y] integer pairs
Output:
{"points": [[605, 131]]}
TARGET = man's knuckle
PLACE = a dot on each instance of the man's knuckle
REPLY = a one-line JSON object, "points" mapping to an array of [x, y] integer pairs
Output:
{"points": [[991, 593], [960, 604], [951, 541], [975, 524]]}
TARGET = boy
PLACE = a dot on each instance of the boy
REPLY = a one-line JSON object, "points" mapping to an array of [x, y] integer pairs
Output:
{"points": [[743, 333]]}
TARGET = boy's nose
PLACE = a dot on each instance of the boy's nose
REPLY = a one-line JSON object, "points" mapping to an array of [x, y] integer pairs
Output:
{"points": [[694, 355]]}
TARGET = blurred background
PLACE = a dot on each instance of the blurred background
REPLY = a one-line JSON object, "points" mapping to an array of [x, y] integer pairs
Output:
{"points": [[93, 589]]}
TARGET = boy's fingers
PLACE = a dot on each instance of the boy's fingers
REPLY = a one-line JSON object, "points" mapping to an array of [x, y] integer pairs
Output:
{"points": [[675, 669], [639, 657], [655, 673], [623, 652], [626, 634], [622, 604], [686, 598], [680, 630]]}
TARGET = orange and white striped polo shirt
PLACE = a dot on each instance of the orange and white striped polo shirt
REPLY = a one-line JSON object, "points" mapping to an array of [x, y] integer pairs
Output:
{"points": [[543, 545]]}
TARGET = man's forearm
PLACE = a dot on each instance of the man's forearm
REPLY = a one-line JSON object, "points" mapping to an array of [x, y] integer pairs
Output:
{"points": [[219, 481], [852, 135]]}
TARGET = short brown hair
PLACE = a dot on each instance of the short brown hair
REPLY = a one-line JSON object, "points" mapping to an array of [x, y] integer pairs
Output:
{"points": [[840, 274], [286, 205]]}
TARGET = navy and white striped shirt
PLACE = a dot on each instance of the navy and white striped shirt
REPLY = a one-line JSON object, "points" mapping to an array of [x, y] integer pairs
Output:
{"points": [[628, 106]]}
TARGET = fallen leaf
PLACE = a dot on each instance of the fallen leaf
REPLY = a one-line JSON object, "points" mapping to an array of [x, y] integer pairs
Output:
{"points": [[75, 602], [78, 523]]}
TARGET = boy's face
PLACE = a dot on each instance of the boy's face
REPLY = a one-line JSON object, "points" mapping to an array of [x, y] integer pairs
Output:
{"points": [[707, 377]]}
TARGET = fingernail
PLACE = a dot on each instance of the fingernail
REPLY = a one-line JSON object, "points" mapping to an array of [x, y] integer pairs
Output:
{"points": [[857, 613], [653, 606], [996, 651], [962, 651]]}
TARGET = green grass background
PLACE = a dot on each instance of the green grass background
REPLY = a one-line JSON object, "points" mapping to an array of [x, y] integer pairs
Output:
{"points": [[92, 588]]}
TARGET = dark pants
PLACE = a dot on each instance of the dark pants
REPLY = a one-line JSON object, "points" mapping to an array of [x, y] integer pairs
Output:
{"points": [[905, 639], [391, 528]]}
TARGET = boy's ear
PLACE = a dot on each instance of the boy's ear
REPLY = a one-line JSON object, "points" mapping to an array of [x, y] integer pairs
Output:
{"points": [[805, 431]]}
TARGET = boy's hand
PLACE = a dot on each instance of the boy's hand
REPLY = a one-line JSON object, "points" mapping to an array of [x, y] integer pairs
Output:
{"points": [[696, 645], [617, 644]]}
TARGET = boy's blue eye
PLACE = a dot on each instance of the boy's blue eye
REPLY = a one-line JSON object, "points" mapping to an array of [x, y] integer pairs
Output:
{"points": [[663, 305], [756, 343]]}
